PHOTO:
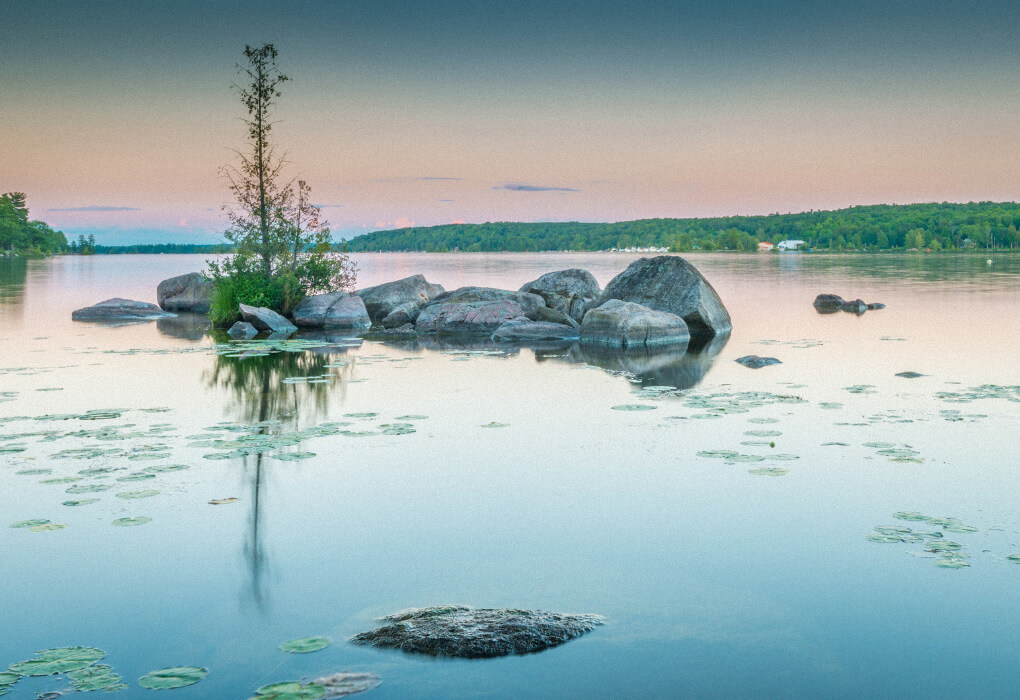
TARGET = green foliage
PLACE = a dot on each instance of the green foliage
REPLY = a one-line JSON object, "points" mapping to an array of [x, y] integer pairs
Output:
{"points": [[873, 227], [281, 293], [20, 236]]}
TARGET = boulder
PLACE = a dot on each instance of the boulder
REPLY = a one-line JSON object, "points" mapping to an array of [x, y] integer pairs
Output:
{"points": [[466, 317], [349, 313], [311, 311], [403, 314], [190, 292], [241, 329], [457, 630], [756, 362], [266, 319], [875, 306], [570, 291], [623, 324], [828, 301], [856, 306], [670, 284], [340, 685], [521, 330], [548, 315], [530, 303], [909, 375], [119, 310], [382, 299]]}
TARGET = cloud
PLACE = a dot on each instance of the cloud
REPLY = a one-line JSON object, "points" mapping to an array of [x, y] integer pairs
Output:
{"points": [[517, 187], [422, 178], [97, 208], [402, 222], [437, 178]]}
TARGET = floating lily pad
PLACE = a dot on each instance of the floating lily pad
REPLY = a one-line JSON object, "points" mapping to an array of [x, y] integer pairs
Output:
{"points": [[88, 488], [293, 456], [34, 472], [412, 416], [81, 502], [222, 501], [132, 495], [61, 480], [97, 677], [364, 414], [909, 515], [29, 523], [138, 476], [48, 527], [768, 471], [59, 660], [762, 433], [1014, 558], [952, 563], [884, 538], [129, 522], [717, 454], [634, 407], [494, 424], [305, 645], [169, 678], [398, 430], [291, 690], [765, 421]]}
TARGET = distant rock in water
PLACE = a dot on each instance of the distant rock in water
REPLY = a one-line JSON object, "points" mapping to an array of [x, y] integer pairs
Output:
{"points": [[623, 324], [457, 630], [382, 299], [118, 310], [242, 329], [571, 292], [875, 306], [909, 375], [831, 303], [191, 292], [266, 319], [854, 307], [670, 284], [756, 362]]}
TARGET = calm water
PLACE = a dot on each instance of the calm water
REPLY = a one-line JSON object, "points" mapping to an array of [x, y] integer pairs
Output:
{"points": [[715, 582]]}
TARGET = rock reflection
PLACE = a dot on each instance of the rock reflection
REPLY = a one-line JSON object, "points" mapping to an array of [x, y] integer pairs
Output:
{"points": [[185, 326]]}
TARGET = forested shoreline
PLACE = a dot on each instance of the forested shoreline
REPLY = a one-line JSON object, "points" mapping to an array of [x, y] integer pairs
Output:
{"points": [[20, 235], [933, 226]]}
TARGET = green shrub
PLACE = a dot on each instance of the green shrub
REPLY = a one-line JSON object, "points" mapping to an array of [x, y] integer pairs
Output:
{"points": [[280, 294]]}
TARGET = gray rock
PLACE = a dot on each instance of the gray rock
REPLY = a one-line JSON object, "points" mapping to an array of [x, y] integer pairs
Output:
{"points": [[190, 292], [670, 284], [530, 303], [457, 630], [266, 319], [856, 306], [382, 299], [241, 329], [521, 330], [570, 291], [756, 362], [466, 317], [909, 375], [349, 313], [340, 685], [875, 306], [403, 314], [623, 324], [828, 301], [119, 310], [311, 311], [548, 315]]}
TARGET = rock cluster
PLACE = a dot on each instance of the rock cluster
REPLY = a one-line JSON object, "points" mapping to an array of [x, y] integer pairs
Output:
{"points": [[118, 310]]}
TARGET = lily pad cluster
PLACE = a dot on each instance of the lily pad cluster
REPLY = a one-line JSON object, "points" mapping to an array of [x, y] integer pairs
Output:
{"points": [[985, 391], [948, 554]]}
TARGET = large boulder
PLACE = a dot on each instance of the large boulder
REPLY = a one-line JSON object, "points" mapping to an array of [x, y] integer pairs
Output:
{"points": [[466, 317], [119, 310], [623, 324], [266, 319], [457, 630], [521, 330], [402, 315], [311, 311], [382, 299], [670, 284], [348, 313], [190, 292], [570, 291], [530, 303]]}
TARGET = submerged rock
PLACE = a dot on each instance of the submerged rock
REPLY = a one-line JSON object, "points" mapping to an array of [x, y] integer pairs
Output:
{"points": [[521, 330], [348, 313], [340, 685], [466, 317], [457, 630], [670, 284], [119, 310], [624, 324], [382, 299], [242, 329], [311, 311], [856, 306], [830, 302], [909, 375], [266, 319], [529, 303], [571, 291], [190, 292], [756, 362]]}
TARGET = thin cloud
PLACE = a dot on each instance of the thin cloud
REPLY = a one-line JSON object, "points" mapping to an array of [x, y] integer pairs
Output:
{"points": [[422, 178], [429, 177], [97, 208], [517, 187]]}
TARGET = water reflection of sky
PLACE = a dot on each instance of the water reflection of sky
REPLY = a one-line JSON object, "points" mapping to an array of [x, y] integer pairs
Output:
{"points": [[714, 581]]}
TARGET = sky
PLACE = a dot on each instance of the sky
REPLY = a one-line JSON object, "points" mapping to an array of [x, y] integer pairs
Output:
{"points": [[116, 118]]}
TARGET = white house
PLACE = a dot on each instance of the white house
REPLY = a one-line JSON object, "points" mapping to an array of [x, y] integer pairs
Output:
{"points": [[789, 245]]}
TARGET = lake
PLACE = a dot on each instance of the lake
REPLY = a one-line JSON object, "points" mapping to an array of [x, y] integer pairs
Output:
{"points": [[727, 533]]}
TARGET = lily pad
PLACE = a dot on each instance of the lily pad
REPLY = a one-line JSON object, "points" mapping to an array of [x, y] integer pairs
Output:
{"points": [[1014, 558], [291, 690], [89, 488], [717, 454], [293, 456], [222, 501], [50, 662], [305, 645], [634, 407], [768, 471], [169, 678], [132, 495], [128, 522], [81, 502], [494, 424], [97, 677], [762, 433], [48, 527], [29, 523]]}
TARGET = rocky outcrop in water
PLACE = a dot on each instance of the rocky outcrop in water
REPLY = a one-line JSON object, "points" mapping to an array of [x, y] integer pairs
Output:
{"points": [[756, 362], [266, 319], [466, 317], [119, 310], [457, 630], [670, 284], [831, 303], [529, 303], [311, 311], [571, 292], [410, 293], [348, 313], [191, 292], [623, 324], [521, 330], [242, 329]]}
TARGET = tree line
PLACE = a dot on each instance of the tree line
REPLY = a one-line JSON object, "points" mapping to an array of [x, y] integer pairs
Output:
{"points": [[932, 226], [19, 235]]}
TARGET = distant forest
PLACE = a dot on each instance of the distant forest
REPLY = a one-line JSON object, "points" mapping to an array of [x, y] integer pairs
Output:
{"points": [[932, 226], [21, 236], [151, 248]]}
